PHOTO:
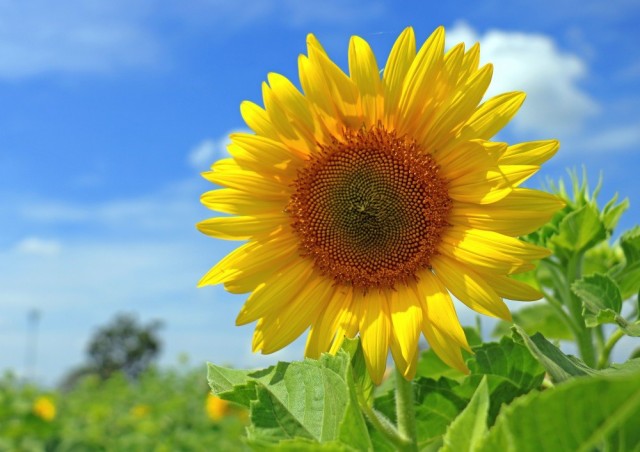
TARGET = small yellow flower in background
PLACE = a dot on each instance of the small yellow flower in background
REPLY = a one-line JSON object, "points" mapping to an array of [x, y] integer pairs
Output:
{"points": [[216, 407], [140, 410], [368, 199], [44, 408]]}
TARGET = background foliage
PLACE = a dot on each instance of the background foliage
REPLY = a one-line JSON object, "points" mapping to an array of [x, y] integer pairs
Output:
{"points": [[523, 392]]}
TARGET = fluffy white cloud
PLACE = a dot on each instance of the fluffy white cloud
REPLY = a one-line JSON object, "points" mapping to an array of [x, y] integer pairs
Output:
{"points": [[533, 63]]}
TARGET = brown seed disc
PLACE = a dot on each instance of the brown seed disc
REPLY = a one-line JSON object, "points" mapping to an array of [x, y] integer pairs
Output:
{"points": [[369, 209]]}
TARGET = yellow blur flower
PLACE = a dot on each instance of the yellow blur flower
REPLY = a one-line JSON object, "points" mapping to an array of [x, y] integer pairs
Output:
{"points": [[216, 407], [44, 408], [369, 198], [140, 410]]}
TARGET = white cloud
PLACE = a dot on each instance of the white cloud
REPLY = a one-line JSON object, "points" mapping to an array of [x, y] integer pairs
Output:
{"points": [[555, 105], [38, 246], [209, 150]]}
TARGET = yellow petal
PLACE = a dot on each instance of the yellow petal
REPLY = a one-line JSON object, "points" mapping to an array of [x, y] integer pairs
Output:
{"points": [[227, 173], [489, 249], [364, 72], [492, 116], [418, 86], [530, 153], [438, 309], [241, 228], [470, 62], [283, 326], [469, 158], [467, 286], [229, 200], [447, 351], [398, 63], [458, 109], [276, 293], [257, 119], [252, 257], [406, 321], [265, 155], [342, 92], [510, 288], [503, 176], [406, 367], [324, 327], [294, 104], [348, 322], [519, 213], [375, 330], [477, 192]]}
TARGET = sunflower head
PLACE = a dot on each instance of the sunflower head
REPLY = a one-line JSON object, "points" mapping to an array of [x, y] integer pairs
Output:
{"points": [[367, 199]]}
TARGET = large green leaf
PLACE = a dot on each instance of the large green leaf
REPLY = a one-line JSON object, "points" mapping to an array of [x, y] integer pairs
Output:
{"points": [[466, 431], [538, 317], [312, 399], [580, 415], [580, 229]]}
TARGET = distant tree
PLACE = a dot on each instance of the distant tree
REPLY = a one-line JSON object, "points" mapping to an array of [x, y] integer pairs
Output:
{"points": [[124, 345]]}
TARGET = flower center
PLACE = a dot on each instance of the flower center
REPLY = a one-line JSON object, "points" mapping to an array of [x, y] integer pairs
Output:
{"points": [[369, 209]]}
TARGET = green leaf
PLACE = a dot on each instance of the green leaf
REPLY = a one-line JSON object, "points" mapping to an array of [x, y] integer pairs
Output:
{"points": [[563, 367], [312, 399], [510, 369], [602, 303], [559, 366], [509, 360], [580, 229], [627, 275], [363, 382], [580, 415], [598, 292], [539, 317], [466, 431], [601, 300]]}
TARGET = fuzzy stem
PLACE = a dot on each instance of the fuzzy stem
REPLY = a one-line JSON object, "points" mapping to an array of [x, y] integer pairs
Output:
{"points": [[405, 411]]}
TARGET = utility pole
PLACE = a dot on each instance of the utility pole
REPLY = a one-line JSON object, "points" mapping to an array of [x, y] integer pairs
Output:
{"points": [[31, 360]]}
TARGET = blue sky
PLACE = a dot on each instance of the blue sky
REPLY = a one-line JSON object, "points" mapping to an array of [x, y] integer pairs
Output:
{"points": [[110, 109]]}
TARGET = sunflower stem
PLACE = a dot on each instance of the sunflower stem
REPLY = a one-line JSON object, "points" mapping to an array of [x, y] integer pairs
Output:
{"points": [[405, 411], [383, 425], [606, 350]]}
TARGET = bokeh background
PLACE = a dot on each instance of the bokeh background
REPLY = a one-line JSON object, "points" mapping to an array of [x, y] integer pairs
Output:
{"points": [[109, 110]]}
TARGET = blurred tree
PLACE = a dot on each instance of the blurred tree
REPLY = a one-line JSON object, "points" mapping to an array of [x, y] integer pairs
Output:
{"points": [[124, 345]]}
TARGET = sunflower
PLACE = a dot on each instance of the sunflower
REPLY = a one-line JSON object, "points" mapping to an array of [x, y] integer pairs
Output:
{"points": [[368, 199]]}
